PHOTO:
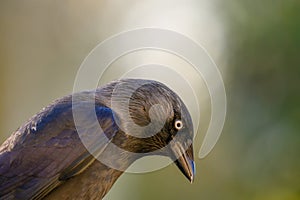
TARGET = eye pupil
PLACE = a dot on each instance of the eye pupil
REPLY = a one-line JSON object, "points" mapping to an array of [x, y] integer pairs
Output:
{"points": [[178, 124]]}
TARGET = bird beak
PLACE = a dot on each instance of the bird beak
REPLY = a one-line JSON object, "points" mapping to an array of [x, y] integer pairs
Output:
{"points": [[185, 160]]}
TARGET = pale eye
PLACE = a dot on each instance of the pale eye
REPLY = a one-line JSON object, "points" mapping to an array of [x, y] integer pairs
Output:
{"points": [[178, 124]]}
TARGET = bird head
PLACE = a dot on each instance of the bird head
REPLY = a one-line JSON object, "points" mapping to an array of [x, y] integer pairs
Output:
{"points": [[155, 122]]}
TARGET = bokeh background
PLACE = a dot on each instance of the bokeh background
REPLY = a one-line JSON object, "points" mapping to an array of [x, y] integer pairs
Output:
{"points": [[255, 44]]}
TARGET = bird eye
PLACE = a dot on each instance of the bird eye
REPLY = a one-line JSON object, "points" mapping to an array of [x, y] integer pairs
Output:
{"points": [[178, 124]]}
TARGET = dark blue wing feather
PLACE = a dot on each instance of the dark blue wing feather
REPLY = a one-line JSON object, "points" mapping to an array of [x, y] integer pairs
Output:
{"points": [[34, 158]]}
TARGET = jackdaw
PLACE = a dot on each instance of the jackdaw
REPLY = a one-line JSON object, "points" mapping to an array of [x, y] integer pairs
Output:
{"points": [[62, 153]]}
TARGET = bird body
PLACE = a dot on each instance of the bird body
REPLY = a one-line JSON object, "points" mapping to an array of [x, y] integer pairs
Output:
{"points": [[47, 158]]}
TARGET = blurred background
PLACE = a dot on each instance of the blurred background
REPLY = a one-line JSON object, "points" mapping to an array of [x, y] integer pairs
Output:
{"points": [[255, 44]]}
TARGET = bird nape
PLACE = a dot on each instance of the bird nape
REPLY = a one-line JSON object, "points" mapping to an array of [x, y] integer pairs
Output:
{"points": [[62, 153]]}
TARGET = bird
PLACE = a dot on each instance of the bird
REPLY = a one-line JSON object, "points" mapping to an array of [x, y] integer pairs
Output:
{"points": [[60, 153]]}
